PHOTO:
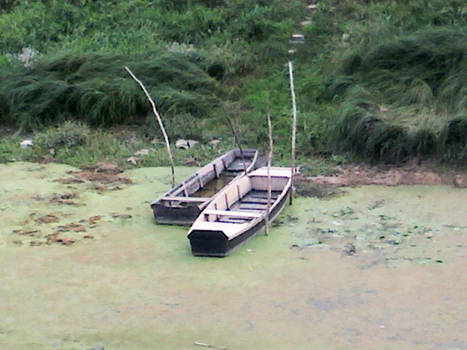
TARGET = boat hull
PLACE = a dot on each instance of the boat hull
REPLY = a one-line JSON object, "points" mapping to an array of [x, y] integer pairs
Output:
{"points": [[175, 216], [216, 243], [178, 207]]}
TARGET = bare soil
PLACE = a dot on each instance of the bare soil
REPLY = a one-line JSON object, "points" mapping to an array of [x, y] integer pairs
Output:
{"points": [[407, 174]]}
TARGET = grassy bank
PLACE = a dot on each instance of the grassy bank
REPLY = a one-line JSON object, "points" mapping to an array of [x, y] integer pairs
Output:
{"points": [[376, 81]]}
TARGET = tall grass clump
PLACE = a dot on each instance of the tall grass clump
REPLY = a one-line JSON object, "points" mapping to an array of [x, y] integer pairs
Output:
{"points": [[96, 90], [398, 96]]}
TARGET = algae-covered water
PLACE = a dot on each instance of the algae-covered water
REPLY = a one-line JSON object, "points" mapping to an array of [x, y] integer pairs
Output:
{"points": [[84, 267]]}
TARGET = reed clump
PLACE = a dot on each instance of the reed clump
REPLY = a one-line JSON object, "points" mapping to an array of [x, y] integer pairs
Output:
{"points": [[405, 97]]}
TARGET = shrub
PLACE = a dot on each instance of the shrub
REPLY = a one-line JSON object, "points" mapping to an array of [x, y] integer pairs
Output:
{"points": [[69, 134]]}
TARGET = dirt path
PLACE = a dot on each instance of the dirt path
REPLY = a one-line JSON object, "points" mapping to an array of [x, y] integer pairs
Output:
{"points": [[375, 268], [407, 174]]}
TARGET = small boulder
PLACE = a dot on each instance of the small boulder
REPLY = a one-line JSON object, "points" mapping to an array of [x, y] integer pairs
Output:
{"points": [[26, 143], [185, 144]]}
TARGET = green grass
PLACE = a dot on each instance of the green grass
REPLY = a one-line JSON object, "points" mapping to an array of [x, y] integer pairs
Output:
{"points": [[380, 81]]}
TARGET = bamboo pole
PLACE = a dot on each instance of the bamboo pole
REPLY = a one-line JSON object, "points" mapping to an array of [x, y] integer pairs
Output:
{"points": [[294, 128], [159, 119], [268, 206]]}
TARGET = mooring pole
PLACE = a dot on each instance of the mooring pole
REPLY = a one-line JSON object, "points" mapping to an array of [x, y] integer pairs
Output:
{"points": [[159, 119], [268, 206], [294, 128]]}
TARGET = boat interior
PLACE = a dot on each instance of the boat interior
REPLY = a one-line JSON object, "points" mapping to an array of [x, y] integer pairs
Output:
{"points": [[210, 179], [245, 200]]}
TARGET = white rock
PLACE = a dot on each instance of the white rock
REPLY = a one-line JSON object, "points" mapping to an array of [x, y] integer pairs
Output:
{"points": [[214, 142], [185, 144], [132, 160], [26, 143]]}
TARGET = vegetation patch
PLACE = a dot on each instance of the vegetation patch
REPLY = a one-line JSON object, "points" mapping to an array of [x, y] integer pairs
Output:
{"points": [[379, 81]]}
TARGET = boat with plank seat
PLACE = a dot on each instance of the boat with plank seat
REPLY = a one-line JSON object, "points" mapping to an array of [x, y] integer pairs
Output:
{"points": [[239, 211], [183, 203]]}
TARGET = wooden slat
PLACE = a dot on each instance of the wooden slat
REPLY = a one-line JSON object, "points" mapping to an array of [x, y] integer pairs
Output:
{"points": [[186, 199], [232, 213], [256, 201]]}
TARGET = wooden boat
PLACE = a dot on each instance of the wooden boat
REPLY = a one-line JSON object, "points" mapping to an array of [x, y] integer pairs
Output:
{"points": [[238, 211], [183, 203]]}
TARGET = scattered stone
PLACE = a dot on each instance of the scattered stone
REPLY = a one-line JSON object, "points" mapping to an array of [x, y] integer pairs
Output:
{"points": [[65, 198], [26, 143], [215, 142], [69, 180], [312, 7], [350, 249], [132, 160], [27, 56], [459, 182], [79, 229], [94, 219], [51, 238], [65, 241], [47, 219], [185, 144], [25, 233], [106, 168], [297, 39]]}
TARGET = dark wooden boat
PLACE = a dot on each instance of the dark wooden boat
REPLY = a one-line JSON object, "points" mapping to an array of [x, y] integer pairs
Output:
{"points": [[183, 203], [238, 212]]}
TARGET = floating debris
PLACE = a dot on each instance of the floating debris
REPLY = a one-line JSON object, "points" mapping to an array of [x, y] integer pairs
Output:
{"points": [[349, 249], [47, 219]]}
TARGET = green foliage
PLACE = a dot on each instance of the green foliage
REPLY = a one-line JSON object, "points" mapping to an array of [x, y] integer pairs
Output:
{"points": [[98, 90], [393, 89], [70, 134], [385, 80]]}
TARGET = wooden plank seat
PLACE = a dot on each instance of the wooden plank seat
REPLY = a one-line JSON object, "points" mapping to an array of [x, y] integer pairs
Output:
{"points": [[186, 199], [233, 213], [256, 201], [261, 197], [242, 205]]}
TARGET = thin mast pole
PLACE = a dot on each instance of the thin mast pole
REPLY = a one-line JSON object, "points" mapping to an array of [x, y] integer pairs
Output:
{"points": [[159, 119], [294, 127]]}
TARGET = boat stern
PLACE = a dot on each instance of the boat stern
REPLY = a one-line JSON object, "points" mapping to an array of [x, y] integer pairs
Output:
{"points": [[175, 215], [208, 243]]}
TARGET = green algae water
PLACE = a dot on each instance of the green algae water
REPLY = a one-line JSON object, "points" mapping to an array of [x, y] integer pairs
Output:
{"points": [[132, 284]]}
